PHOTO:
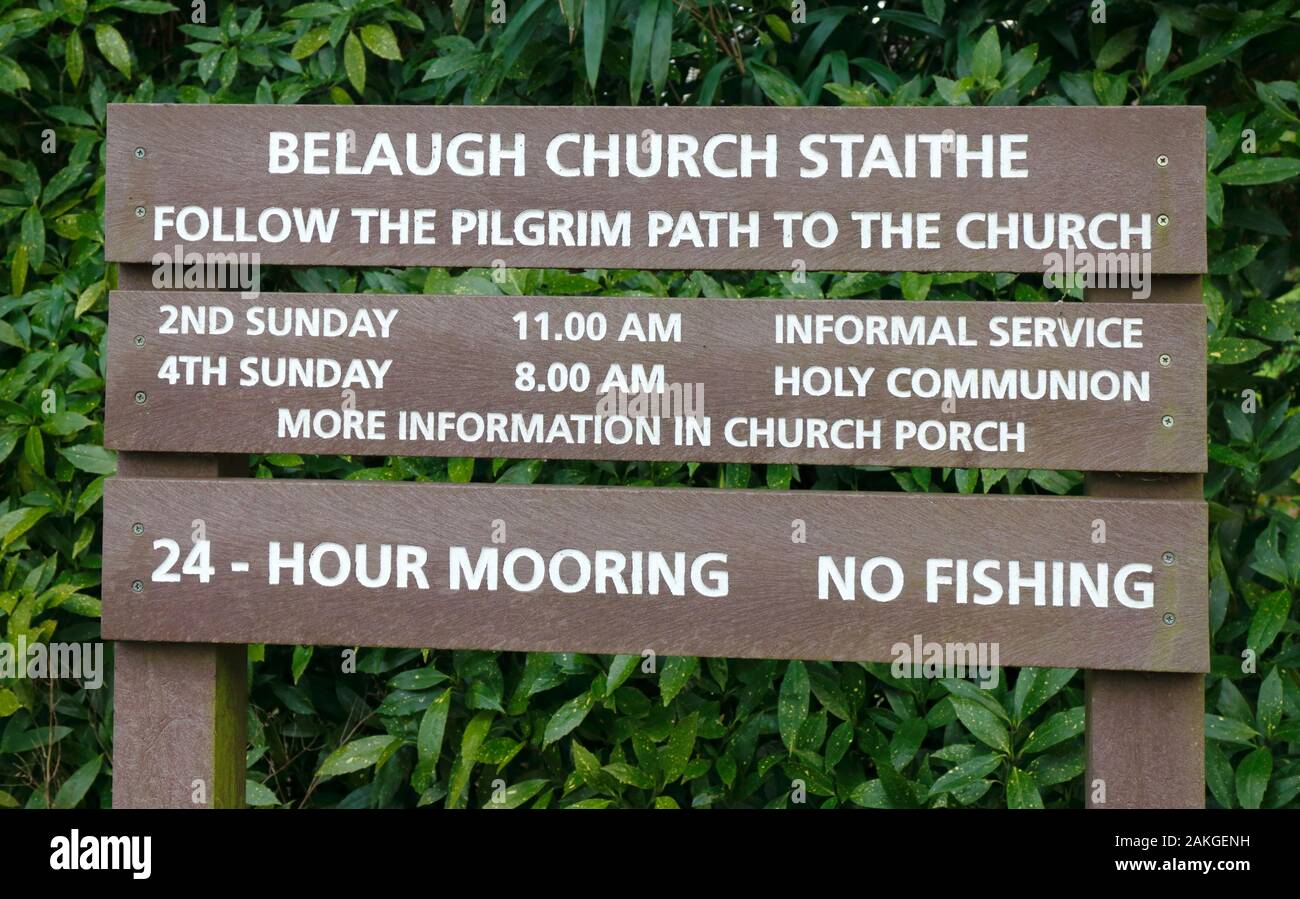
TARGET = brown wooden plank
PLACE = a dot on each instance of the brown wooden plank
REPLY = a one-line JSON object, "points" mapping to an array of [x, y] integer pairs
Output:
{"points": [[771, 607], [180, 713], [1135, 161], [451, 364], [179, 721], [1146, 740], [1146, 732]]}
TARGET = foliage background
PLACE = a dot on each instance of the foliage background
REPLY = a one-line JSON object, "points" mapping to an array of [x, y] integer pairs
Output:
{"points": [[436, 727]]}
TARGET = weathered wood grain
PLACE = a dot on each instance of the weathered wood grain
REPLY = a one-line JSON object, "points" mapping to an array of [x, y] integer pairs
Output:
{"points": [[1079, 160], [180, 712], [458, 355], [771, 607], [1146, 732]]}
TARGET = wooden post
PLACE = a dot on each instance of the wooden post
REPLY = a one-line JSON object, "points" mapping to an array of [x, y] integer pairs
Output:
{"points": [[1146, 732], [180, 711]]}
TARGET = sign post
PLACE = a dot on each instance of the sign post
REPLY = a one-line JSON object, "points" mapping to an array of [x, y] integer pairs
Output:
{"points": [[197, 566], [1146, 733], [180, 710]]}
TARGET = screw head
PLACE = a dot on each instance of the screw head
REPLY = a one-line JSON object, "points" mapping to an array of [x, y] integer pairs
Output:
{"points": [[1165, 358], [139, 340], [1162, 160], [139, 153], [1167, 558], [137, 586], [1162, 220], [1167, 421], [139, 212], [1169, 618], [137, 529], [140, 397]]}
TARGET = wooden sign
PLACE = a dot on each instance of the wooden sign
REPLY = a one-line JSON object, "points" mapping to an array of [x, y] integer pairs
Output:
{"points": [[923, 189], [1002, 385], [763, 574]]}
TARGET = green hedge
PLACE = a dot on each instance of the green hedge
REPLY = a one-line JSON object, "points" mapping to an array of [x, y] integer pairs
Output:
{"points": [[433, 727]]}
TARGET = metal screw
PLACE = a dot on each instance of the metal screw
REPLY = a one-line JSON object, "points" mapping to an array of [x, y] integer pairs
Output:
{"points": [[140, 397], [1162, 220], [137, 586], [1167, 558], [139, 212], [139, 340], [1169, 618], [1162, 160], [139, 153], [1165, 358], [1167, 421], [137, 529]]}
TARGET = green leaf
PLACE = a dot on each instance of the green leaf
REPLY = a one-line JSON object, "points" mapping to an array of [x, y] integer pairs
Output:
{"points": [[356, 755], [1268, 708], [33, 237], [1022, 792], [1158, 45], [587, 766], [1246, 28], [1284, 441], [1234, 350], [89, 297], [258, 795], [778, 88], [966, 773], [677, 670], [310, 42], [74, 56], [1271, 613], [354, 61], [8, 702], [641, 38], [380, 40], [1119, 45], [906, 741], [1218, 775], [987, 59], [661, 47], [1057, 766], [12, 76], [94, 459], [517, 794], [983, 724], [112, 45], [470, 743], [915, 285], [433, 725], [593, 38], [18, 522], [792, 704], [568, 716], [460, 470], [301, 659], [73, 790], [1035, 686], [681, 743], [1059, 727], [1229, 730], [1253, 774], [620, 669], [1267, 170]]}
